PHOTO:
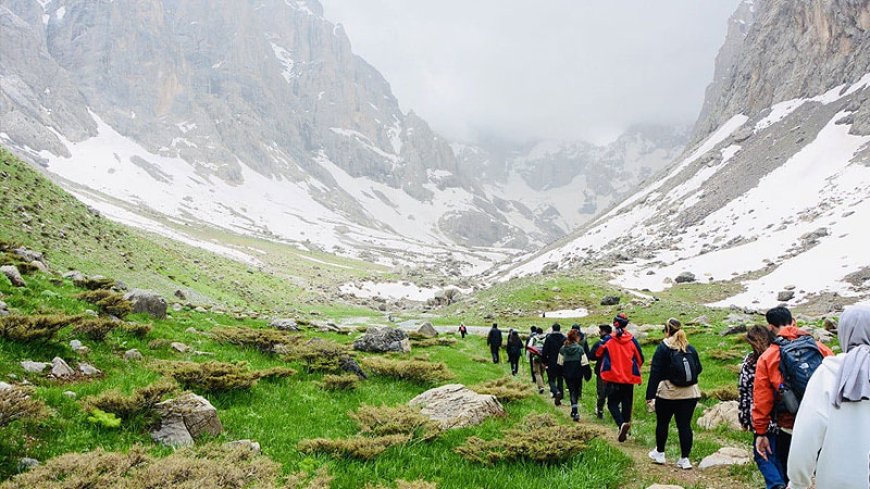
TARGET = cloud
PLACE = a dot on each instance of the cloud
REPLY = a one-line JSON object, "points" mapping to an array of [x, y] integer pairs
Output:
{"points": [[519, 70]]}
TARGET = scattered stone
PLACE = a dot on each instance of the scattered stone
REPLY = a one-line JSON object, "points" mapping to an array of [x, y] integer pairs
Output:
{"points": [[133, 355], [147, 302], [789, 287], [76, 276], [27, 463], [427, 330], [78, 347], [70, 394], [285, 324], [200, 309], [89, 370], [42, 267], [34, 367], [60, 369], [179, 347], [191, 330], [700, 320], [456, 406], [180, 294], [176, 307], [733, 330], [830, 325], [382, 340], [91, 312], [248, 444], [184, 418], [815, 235], [785, 295], [610, 300], [685, 277], [724, 413], [13, 275], [820, 334], [726, 456]]}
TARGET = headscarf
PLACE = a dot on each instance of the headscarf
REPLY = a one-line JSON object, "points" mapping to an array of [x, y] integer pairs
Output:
{"points": [[853, 380]]}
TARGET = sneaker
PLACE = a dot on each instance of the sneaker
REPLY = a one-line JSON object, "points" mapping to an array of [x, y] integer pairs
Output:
{"points": [[540, 390], [657, 456], [623, 432], [599, 414], [575, 417], [682, 463]]}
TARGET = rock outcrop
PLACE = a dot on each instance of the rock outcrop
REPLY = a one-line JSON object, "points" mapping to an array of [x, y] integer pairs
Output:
{"points": [[724, 413], [383, 340], [185, 418], [146, 301], [456, 406]]}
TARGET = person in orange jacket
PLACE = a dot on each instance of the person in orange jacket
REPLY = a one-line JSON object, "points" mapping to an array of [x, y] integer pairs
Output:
{"points": [[767, 396], [621, 359]]}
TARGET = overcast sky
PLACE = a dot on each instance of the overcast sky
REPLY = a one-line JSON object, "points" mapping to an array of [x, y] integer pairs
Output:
{"points": [[521, 70]]}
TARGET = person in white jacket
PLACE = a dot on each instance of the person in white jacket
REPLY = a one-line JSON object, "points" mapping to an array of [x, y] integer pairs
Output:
{"points": [[832, 430]]}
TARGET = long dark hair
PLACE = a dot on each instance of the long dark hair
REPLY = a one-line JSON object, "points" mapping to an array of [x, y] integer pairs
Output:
{"points": [[514, 337], [759, 337], [573, 337]]}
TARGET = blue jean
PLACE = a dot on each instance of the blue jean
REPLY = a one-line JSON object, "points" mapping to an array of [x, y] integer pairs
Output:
{"points": [[773, 469]]}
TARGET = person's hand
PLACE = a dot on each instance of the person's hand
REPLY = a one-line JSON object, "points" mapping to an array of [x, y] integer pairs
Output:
{"points": [[762, 446], [651, 406]]}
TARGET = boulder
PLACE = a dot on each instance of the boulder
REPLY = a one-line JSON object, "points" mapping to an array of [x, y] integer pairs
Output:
{"points": [[185, 418], [89, 370], [133, 355], [456, 406], [78, 347], [13, 275], [382, 340], [830, 324], [28, 255], [147, 302], [610, 300], [427, 330], [732, 330], [60, 369], [285, 324], [34, 367], [42, 267], [785, 295], [726, 456], [700, 321], [685, 277], [179, 347], [724, 413], [76, 276]]}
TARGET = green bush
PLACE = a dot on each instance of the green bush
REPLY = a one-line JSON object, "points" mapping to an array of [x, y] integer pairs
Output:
{"points": [[358, 447], [138, 330], [18, 403], [34, 328], [95, 329], [439, 341], [140, 403], [265, 340], [109, 302], [413, 370], [392, 420], [217, 376], [319, 355], [96, 283], [104, 419], [343, 382], [728, 393], [505, 389]]}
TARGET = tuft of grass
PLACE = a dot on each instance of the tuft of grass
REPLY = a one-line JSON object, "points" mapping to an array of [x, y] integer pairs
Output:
{"points": [[724, 355], [422, 372], [429, 342], [343, 382], [109, 302], [18, 403], [95, 329], [265, 340], [726, 393], [392, 420], [140, 403], [96, 283], [359, 447], [402, 484], [34, 328], [505, 389], [139, 330], [321, 355], [218, 376]]}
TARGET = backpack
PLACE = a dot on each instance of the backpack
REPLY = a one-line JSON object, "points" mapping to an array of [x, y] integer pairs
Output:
{"points": [[799, 359], [684, 368], [537, 346]]}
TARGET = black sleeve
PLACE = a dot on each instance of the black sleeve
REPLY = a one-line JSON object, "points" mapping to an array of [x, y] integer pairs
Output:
{"points": [[657, 371], [490, 337], [594, 350], [697, 359]]}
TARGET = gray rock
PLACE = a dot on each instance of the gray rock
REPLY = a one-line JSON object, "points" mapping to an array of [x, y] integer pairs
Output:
{"points": [[284, 324], [76, 276], [60, 369], [785, 295], [724, 413], [89, 370], [726, 456], [191, 330], [610, 300], [700, 320], [77, 346], [34, 367], [732, 330], [176, 307], [179, 347], [145, 301], [685, 277], [133, 355], [456, 406], [382, 340], [427, 330], [184, 419], [26, 464], [13, 275], [42, 267], [70, 394], [4, 386]]}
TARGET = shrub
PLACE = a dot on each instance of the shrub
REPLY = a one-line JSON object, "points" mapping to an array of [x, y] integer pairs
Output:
{"points": [[321, 355], [265, 340], [480, 359], [138, 330], [505, 389], [440, 341], [218, 376], [17, 403], [401, 484], [724, 355], [95, 328], [211, 466], [728, 393], [538, 439], [360, 447], [385, 420], [96, 283], [104, 419], [413, 370], [34, 328], [109, 302], [343, 382], [140, 403], [158, 344]]}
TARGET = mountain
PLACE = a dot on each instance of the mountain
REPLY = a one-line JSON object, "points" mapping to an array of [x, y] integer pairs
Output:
{"points": [[772, 196], [257, 118]]}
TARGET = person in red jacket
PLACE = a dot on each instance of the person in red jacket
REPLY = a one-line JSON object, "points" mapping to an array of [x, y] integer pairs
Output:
{"points": [[766, 395], [621, 359]]}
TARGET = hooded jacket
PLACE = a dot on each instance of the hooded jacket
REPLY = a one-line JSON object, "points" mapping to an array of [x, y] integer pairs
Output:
{"points": [[621, 359], [572, 361], [552, 345], [768, 378]]}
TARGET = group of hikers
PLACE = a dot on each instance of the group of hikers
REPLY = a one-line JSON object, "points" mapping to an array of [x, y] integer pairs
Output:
{"points": [[807, 408]]}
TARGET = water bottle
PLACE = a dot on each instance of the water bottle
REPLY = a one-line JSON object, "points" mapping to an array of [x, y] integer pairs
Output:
{"points": [[789, 399]]}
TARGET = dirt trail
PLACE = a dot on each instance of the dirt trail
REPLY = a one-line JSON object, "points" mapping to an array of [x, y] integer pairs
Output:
{"points": [[645, 473]]}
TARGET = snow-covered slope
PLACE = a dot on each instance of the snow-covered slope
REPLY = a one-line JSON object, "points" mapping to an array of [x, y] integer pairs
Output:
{"points": [[776, 198]]}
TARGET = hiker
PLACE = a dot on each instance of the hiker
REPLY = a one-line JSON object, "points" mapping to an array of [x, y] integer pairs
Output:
{"points": [[552, 344], [493, 339], [532, 333], [572, 359], [600, 385], [776, 397], [672, 391], [462, 330], [760, 338], [514, 351], [535, 347], [832, 431], [621, 359]]}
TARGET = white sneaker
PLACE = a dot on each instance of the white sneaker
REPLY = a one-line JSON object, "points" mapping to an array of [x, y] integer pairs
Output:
{"points": [[684, 464], [657, 456]]}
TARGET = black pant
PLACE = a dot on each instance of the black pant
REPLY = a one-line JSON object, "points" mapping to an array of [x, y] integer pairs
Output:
{"points": [[682, 410], [532, 368], [601, 392], [494, 350], [575, 389], [619, 400], [783, 448], [554, 378], [462, 333], [515, 364]]}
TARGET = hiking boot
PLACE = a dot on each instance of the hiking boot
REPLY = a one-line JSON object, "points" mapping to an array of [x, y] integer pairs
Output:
{"points": [[575, 416], [623, 432], [557, 400], [657, 456], [682, 463], [540, 390], [599, 414]]}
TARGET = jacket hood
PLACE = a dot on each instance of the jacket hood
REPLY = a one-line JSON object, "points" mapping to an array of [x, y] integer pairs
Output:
{"points": [[791, 332], [625, 338], [572, 347]]}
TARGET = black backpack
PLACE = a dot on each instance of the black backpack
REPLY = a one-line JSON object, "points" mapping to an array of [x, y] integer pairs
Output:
{"points": [[799, 359], [684, 368]]}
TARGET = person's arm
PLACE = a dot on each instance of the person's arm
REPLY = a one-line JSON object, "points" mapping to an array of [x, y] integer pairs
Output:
{"points": [[639, 352], [656, 371], [810, 428], [601, 347], [762, 396], [826, 352], [697, 359]]}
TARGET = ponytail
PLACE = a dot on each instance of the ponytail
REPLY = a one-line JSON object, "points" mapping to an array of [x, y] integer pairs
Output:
{"points": [[678, 338]]}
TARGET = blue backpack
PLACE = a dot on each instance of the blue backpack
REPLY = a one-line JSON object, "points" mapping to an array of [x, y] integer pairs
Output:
{"points": [[799, 359]]}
